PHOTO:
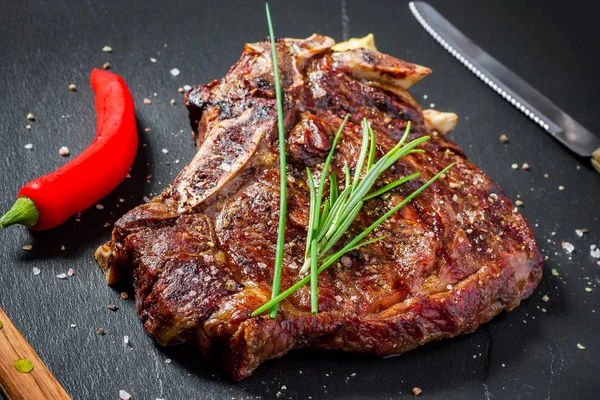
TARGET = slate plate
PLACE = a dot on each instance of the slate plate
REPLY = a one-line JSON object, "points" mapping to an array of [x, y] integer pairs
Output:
{"points": [[528, 353]]}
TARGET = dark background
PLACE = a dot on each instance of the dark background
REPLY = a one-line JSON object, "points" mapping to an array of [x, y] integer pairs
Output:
{"points": [[528, 353]]}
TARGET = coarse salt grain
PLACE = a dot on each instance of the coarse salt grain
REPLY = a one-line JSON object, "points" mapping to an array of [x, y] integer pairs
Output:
{"points": [[503, 138], [61, 276], [126, 340], [70, 272], [168, 361], [99, 207], [63, 151], [36, 271], [579, 232], [545, 298], [187, 87], [561, 188], [147, 101], [595, 252], [515, 166], [30, 117], [165, 151], [172, 101], [72, 87], [29, 146], [152, 59], [175, 72], [230, 285], [568, 247], [107, 49], [123, 395], [580, 346], [28, 127], [27, 247]]}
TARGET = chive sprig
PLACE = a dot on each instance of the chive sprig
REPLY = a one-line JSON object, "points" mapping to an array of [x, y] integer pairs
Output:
{"points": [[330, 219]]}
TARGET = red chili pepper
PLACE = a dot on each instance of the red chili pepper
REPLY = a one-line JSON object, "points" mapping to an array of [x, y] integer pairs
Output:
{"points": [[50, 200]]}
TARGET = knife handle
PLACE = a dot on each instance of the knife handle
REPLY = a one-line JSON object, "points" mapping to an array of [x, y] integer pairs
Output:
{"points": [[596, 159], [35, 385]]}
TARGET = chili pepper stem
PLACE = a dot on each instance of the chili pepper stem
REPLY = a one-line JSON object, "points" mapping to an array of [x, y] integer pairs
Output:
{"points": [[23, 212]]}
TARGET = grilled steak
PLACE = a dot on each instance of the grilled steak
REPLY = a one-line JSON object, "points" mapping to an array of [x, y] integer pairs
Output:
{"points": [[202, 253]]}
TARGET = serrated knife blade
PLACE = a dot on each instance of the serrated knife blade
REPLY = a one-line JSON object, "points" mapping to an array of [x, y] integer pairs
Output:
{"points": [[507, 84]]}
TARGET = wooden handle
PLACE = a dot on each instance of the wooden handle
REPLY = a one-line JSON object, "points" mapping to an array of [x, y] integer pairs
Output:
{"points": [[596, 159], [35, 385]]}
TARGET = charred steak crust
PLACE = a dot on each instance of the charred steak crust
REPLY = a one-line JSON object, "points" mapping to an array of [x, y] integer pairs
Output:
{"points": [[201, 253]]}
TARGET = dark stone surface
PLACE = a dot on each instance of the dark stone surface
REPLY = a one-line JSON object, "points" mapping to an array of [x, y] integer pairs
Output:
{"points": [[528, 353]]}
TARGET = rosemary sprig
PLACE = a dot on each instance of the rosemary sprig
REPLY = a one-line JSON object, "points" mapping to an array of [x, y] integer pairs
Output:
{"points": [[327, 224], [282, 173]]}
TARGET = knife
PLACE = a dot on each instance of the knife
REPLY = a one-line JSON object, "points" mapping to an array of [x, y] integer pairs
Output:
{"points": [[507, 84]]}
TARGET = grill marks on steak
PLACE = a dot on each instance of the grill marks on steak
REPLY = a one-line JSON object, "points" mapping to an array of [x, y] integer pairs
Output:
{"points": [[201, 254]]}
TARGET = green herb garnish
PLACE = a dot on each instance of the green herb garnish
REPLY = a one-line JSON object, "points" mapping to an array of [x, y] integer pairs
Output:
{"points": [[330, 219], [282, 173]]}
